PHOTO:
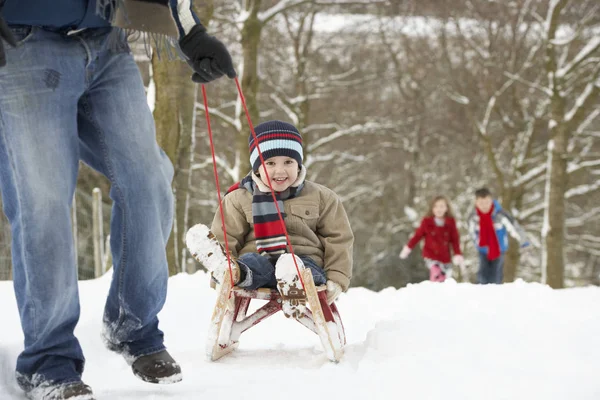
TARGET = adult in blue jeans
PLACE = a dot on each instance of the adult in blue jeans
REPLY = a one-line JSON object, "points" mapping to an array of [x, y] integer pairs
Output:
{"points": [[69, 91]]}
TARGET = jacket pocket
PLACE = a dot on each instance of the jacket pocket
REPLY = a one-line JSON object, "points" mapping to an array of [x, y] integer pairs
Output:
{"points": [[305, 214]]}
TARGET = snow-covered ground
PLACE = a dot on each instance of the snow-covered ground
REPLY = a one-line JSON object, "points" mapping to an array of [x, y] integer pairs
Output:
{"points": [[427, 341]]}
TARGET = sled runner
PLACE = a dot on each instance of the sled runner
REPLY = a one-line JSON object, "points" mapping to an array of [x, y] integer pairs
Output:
{"points": [[230, 318]]}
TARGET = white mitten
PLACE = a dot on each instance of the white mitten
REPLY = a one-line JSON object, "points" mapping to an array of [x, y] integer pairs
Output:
{"points": [[458, 260], [333, 291], [405, 252]]}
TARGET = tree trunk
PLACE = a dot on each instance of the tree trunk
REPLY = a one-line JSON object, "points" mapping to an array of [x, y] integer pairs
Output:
{"points": [[251, 32], [594, 263], [554, 221], [556, 167], [511, 261], [512, 199], [173, 114]]}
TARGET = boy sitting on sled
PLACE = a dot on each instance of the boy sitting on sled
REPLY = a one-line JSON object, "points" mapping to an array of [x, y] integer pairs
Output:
{"points": [[315, 219]]}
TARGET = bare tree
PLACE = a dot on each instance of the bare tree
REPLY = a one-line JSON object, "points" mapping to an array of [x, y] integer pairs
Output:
{"points": [[572, 88]]}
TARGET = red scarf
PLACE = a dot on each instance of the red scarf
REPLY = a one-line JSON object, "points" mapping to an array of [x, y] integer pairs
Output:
{"points": [[487, 234]]}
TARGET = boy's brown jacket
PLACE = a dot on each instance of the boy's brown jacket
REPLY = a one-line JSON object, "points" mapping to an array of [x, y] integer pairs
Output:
{"points": [[316, 222]]}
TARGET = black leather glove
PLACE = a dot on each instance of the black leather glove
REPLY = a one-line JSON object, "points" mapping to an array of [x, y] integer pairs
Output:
{"points": [[5, 34], [207, 55]]}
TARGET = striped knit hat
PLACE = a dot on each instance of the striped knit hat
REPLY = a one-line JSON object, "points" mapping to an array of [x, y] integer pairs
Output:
{"points": [[275, 138]]}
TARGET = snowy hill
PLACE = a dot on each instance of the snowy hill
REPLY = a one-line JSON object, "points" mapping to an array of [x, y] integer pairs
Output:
{"points": [[427, 341]]}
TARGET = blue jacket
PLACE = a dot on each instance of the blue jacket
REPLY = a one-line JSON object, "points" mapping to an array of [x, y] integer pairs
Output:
{"points": [[73, 14], [504, 225], [65, 14]]}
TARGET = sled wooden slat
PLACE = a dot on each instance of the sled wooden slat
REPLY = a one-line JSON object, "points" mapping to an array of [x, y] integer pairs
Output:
{"points": [[330, 341], [213, 348], [307, 321], [230, 319], [264, 312]]}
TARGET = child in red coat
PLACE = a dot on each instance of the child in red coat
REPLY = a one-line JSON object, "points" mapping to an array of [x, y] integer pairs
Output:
{"points": [[438, 228]]}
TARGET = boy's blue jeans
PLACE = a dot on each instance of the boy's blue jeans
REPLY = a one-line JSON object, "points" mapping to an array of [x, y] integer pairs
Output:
{"points": [[64, 99], [263, 271], [490, 271]]}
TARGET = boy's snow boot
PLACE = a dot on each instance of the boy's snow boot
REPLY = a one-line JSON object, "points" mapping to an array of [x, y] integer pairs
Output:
{"points": [[157, 368], [205, 248], [73, 391], [293, 295]]}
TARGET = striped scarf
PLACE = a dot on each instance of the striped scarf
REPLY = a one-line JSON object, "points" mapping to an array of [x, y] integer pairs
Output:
{"points": [[268, 230]]}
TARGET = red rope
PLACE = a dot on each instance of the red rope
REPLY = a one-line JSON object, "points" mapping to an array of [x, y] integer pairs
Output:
{"points": [[212, 150], [262, 161]]}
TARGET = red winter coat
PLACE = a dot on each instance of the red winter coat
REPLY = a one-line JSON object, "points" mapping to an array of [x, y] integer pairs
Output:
{"points": [[438, 239]]}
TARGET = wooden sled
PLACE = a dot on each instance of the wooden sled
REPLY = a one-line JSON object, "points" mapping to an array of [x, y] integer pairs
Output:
{"points": [[230, 319]]}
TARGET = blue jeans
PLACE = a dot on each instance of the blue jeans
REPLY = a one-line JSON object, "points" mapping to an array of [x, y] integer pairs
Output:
{"points": [[262, 271], [490, 271], [64, 99]]}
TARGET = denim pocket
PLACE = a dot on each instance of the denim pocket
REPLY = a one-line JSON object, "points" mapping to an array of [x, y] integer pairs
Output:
{"points": [[22, 33]]}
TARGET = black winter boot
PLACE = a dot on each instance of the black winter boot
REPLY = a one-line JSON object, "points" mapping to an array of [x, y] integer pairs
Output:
{"points": [[157, 368], [74, 390]]}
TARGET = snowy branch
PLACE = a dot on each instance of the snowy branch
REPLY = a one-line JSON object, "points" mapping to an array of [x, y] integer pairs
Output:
{"points": [[582, 104], [353, 130], [573, 167], [582, 189], [551, 23], [285, 5], [525, 214], [280, 7], [525, 138], [287, 110], [593, 45], [591, 117], [532, 85], [321, 127], [530, 175], [585, 249], [483, 53], [583, 219], [338, 157], [233, 122], [456, 97], [202, 165], [482, 127]]}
